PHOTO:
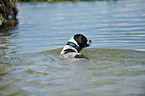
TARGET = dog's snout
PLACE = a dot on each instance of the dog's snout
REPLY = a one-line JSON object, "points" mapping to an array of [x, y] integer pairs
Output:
{"points": [[89, 41]]}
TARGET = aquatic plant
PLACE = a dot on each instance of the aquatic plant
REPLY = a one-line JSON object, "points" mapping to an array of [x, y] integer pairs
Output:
{"points": [[1, 19]]}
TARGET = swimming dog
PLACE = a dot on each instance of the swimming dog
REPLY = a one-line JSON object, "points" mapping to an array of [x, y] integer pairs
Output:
{"points": [[74, 46]]}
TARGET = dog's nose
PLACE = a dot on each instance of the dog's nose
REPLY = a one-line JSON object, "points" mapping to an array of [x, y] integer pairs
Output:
{"points": [[90, 41]]}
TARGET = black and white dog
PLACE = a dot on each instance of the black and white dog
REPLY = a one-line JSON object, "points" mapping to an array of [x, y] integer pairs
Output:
{"points": [[74, 46]]}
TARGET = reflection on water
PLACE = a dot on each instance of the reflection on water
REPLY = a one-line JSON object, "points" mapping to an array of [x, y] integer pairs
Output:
{"points": [[29, 62], [5, 33]]}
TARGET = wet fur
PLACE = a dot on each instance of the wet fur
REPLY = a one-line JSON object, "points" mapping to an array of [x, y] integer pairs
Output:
{"points": [[74, 46]]}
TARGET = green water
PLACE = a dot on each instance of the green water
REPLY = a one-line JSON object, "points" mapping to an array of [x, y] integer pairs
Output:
{"points": [[107, 72], [29, 53]]}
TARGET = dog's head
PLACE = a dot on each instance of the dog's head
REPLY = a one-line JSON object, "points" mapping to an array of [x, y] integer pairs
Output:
{"points": [[82, 41]]}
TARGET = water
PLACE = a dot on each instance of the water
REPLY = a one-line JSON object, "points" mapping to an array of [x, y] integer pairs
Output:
{"points": [[29, 53]]}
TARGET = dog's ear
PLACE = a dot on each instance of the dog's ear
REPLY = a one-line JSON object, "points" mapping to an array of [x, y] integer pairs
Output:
{"points": [[81, 40]]}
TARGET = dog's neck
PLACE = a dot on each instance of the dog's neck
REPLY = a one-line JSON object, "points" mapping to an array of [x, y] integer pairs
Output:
{"points": [[73, 45]]}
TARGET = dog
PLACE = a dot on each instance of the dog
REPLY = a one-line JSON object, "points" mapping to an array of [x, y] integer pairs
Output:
{"points": [[74, 46]]}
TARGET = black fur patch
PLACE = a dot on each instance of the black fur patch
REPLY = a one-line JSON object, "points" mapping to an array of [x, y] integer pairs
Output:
{"points": [[69, 50], [81, 40]]}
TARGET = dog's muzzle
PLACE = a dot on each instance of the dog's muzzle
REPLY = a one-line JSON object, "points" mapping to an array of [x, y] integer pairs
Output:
{"points": [[88, 43]]}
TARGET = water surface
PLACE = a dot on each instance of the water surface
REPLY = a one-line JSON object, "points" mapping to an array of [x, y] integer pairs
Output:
{"points": [[29, 54]]}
